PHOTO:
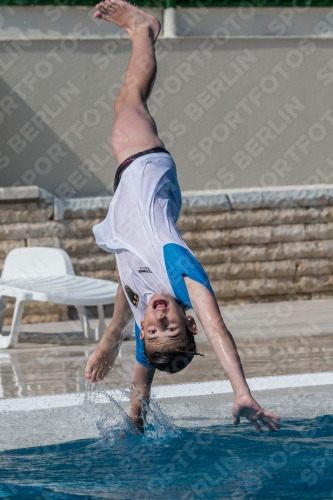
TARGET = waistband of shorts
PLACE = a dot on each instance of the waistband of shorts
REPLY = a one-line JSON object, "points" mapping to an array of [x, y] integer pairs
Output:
{"points": [[126, 163]]}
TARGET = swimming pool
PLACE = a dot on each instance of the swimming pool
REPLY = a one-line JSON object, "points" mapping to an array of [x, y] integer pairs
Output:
{"points": [[216, 462]]}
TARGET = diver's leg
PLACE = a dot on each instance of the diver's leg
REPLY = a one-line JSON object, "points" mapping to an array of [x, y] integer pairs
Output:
{"points": [[134, 129]]}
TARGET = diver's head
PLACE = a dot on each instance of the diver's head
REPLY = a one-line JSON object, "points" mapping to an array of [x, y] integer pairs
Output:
{"points": [[168, 334]]}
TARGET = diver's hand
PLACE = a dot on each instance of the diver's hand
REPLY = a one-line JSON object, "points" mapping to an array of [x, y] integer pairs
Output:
{"points": [[246, 406], [102, 360]]}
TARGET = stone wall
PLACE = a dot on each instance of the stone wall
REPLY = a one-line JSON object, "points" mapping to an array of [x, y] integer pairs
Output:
{"points": [[255, 245]]}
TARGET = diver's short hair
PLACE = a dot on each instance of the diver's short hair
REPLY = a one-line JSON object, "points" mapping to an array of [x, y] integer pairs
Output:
{"points": [[173, 359]]}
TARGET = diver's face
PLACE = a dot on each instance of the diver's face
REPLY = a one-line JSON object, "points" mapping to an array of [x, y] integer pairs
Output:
{"points": [[164, 320]]}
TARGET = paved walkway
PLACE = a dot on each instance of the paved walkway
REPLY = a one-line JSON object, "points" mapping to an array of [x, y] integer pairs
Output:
{"points": [[278, 319]]}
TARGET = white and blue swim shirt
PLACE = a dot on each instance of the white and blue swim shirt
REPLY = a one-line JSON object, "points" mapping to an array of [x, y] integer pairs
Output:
{"points": [[140, 228]]}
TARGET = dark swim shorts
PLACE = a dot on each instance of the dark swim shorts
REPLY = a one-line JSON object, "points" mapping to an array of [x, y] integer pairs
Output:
{"points": [[126, 163]]}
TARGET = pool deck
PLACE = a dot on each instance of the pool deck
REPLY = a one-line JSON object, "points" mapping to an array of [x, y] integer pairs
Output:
{"points": [[47, 427], [273, 339]]}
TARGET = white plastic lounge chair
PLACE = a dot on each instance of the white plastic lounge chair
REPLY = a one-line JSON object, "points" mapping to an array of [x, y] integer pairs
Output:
{"points": [[47, 275]]}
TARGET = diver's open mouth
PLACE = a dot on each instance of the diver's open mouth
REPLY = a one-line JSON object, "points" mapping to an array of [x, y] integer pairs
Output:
{"points": [[160, 304]]}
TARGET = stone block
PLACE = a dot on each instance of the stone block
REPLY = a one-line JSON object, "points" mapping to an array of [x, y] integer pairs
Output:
{"points": [[253, 253], [205, 200], [38, 312], [19, 193], [253, 235], [88, 213], [245, 199], [270, 252], [78, 228], [274, 269], [106, 274], [26, 230], [214, 255], [200, 222], [303, 197], [37, 318], [94, 263], [276, 298], [52, 241], [247, 218], [224, 289], [277, 216], [314, 267], [318, 214], [287, 232], [25, 212], [80, 207], [223, 220], [81, 246], [255, 288], [297, 250], [204, 239], [8, 245], [322, 295], [282, 269], [231, 271], [319, 231], [288, 196]]}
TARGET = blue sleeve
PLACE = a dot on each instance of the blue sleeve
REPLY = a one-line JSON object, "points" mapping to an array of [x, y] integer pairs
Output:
{"points": [[140, 351], [179, 261]]}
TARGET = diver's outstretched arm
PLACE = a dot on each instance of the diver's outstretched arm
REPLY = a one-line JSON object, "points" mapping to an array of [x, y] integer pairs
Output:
{"points": [[208, 312], [142, 379], [102, 359]]}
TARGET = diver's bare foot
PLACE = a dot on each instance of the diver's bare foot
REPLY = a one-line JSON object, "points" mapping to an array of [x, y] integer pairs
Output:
{"points": [[100, 362], [128, 17]]}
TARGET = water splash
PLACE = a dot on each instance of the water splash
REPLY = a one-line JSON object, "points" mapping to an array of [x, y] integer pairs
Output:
{"points": [[103, 411], [158, 425]]}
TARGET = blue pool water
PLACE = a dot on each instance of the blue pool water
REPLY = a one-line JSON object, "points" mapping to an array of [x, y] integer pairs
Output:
{"points": [[220, 462]]}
